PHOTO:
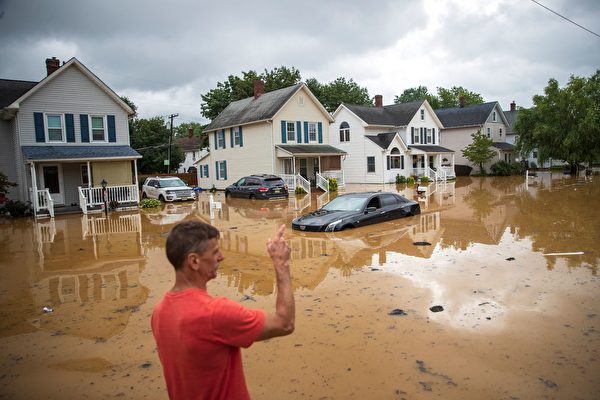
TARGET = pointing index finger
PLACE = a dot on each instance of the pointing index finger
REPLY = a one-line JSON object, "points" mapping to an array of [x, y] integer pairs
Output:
{"points": [[280, 231]]}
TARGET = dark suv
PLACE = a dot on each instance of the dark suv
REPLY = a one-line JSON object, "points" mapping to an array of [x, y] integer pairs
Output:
{"points": [[258, 187]]}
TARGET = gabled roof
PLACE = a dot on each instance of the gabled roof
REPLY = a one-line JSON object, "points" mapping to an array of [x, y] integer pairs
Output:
{"points": [[56, 153], [471, 115], [13, 106], [11, 90], [431, 149], [263, 108], [382, 140], [511, 117], [391, 115], [312, 149], [189, 143]]}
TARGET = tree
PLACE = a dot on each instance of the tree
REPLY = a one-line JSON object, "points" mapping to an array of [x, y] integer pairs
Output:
{"points": [[5, 184], [150, 137], [445, 98], [564, 123], [479, 151], [237, 88], [341, 90], [183, 131], [129, 103]]}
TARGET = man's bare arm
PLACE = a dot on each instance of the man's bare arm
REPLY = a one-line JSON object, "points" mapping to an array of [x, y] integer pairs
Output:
{"points": [[281, 322]]}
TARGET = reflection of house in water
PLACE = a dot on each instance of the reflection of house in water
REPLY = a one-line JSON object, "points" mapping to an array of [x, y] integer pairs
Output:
{"points": [[88, 271]]}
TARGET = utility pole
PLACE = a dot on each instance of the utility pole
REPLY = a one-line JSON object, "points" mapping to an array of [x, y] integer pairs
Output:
{"points": [[170, 140]]}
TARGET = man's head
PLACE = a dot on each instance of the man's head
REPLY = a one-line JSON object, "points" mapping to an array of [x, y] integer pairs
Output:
{"points": [[191, 237]]}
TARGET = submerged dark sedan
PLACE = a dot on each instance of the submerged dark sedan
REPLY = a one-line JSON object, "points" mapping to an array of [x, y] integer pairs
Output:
{"points": [[356, 209]]}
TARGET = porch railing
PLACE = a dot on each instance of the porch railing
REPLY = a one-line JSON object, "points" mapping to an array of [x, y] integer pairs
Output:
{"points": [[303, 183], [449, 172], [82, 200], [322, 182], [289, 180], [337, 174], [43, 201], [121, 194]]}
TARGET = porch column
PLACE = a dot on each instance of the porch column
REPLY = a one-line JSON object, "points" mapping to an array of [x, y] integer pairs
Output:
{"points": [[34, 189], [294, 165], [89, 174], [137, 186]]}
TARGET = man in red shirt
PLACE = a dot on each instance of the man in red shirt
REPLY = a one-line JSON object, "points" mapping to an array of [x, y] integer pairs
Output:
{"points": [[199, 336]]}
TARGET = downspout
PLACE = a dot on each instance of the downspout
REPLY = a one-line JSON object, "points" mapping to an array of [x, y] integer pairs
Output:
{"points": [[273, 153], [137, 184], [34, 197], [89, 174]]}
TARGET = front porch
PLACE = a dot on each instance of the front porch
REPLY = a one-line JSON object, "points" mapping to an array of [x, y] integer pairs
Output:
{"points": [[433, 162]]}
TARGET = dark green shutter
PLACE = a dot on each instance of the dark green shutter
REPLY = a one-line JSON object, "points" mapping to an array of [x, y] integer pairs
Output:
{"points": [[305, 132], [231, 137], [215, 136], [38, 120], [225, 170], [298, 132], [206, 171], [241, 138], [112, 132], [422, 135], [412, 135], [70, 124], [85, 129], [320, 131], [217, 170], [433, 135], [283, 133]]}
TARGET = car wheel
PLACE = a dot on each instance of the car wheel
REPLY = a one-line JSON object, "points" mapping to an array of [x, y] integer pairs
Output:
{"points": [[161, 198], [252, 197], [144, 196]]}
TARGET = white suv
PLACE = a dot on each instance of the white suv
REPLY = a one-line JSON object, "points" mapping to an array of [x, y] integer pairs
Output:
{"points": [[167, 188]]}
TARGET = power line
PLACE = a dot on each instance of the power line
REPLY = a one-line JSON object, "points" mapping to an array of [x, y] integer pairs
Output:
{"points": [[565, 18]]}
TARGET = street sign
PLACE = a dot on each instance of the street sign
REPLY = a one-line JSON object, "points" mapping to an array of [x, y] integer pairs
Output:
{"points": [[166, 162]]}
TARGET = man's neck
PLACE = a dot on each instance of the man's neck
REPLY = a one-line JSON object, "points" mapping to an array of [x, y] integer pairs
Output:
{"points": [[183, 281]]}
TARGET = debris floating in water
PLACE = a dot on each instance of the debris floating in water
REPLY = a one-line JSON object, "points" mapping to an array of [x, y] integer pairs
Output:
{"points": [[436, 308], [573, 253], [397, 311], [47, 310], [421, 243], [510, 259]]}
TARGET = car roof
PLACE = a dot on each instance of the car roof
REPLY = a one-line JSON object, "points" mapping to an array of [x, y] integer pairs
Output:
{"points": [[267, 176]]}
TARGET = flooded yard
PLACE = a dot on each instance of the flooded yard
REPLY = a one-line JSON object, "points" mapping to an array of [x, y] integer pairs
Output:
{"points": [[513, 265]]}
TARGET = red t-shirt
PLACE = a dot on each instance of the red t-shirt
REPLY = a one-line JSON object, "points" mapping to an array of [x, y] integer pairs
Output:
{"points": [[199, 338]]}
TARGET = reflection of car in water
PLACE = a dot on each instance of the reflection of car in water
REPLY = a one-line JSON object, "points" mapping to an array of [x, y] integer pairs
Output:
{"points": [[170, 214], [258, 209], [354, 210]]}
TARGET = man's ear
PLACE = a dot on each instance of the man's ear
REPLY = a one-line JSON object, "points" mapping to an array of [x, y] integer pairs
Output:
{"points": [[192, 260]]}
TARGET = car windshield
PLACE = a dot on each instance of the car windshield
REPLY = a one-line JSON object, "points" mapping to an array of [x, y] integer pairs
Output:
{"points": [[165, 183], [345, 203], [270, 182]]}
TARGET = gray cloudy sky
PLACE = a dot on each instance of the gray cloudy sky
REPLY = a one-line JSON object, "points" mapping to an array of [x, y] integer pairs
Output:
{"points": [[164, 54]]}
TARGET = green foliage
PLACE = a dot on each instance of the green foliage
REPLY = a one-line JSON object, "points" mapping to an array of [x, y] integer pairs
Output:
{"points": [[479, 151], [400, 179], [410, 180], [237, 88], [445, 98], [16, 209], [333, 184], [213, 189], [150, 203], [299, 190], [564, 123], [332, 94], [129, 103], [501, 168], [424, 179], [5, 183], [150, 137]]}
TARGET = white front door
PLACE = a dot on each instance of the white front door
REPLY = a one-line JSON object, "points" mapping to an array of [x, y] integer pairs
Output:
{"points": [[51, 178]]}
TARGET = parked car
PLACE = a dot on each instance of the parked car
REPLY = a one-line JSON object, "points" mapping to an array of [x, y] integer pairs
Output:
{"points": [[356, 209], [262, 186], [167, 188]]}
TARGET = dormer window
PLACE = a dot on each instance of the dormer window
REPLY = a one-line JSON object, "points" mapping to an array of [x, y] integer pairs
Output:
{"points": [[422, 115]]}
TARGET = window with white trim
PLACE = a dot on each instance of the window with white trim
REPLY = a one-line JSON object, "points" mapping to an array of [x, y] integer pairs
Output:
{"points": [[84, 176], [221, 139], [344, 132], [395, 158], [370, 164], [98, 125], [494, 116], [422, 115], [237, 137], [312, 131], [291, 131], [222, 175], [489, 132], [428, 135], [416, 136], [55, 128]]}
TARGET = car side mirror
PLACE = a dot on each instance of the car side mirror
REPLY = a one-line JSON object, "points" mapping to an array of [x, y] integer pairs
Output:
{"points": [[371, 209]]}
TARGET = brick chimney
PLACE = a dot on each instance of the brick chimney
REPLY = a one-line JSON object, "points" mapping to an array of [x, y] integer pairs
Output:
{"points": [[378, 101], [190, 132], [461, 101], [513, 106], [52, 64], [259, 88]]}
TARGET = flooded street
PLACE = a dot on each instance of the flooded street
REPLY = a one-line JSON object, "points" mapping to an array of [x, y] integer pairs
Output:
{"points": [[513, 265]]}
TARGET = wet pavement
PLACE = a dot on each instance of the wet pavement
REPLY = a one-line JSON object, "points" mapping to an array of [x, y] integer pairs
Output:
{"points": [[513, 265]]}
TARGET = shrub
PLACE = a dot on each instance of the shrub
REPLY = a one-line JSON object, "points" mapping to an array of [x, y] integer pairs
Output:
{"points": [[16, 209], [213, 189], [400, 179], [501, 168], [5, 183], [518, 168], [333, 184], [299, 190], [150, 203], [424, 179], [410, 180]]}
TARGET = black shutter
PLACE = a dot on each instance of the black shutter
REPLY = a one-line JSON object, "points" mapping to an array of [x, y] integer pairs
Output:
{"points": [[38, 120], [112, 132], [70, 124], [85, 129]]}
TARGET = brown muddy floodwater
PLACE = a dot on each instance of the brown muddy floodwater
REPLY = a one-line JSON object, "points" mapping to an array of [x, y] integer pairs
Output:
{"points": [[517, 323]]}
